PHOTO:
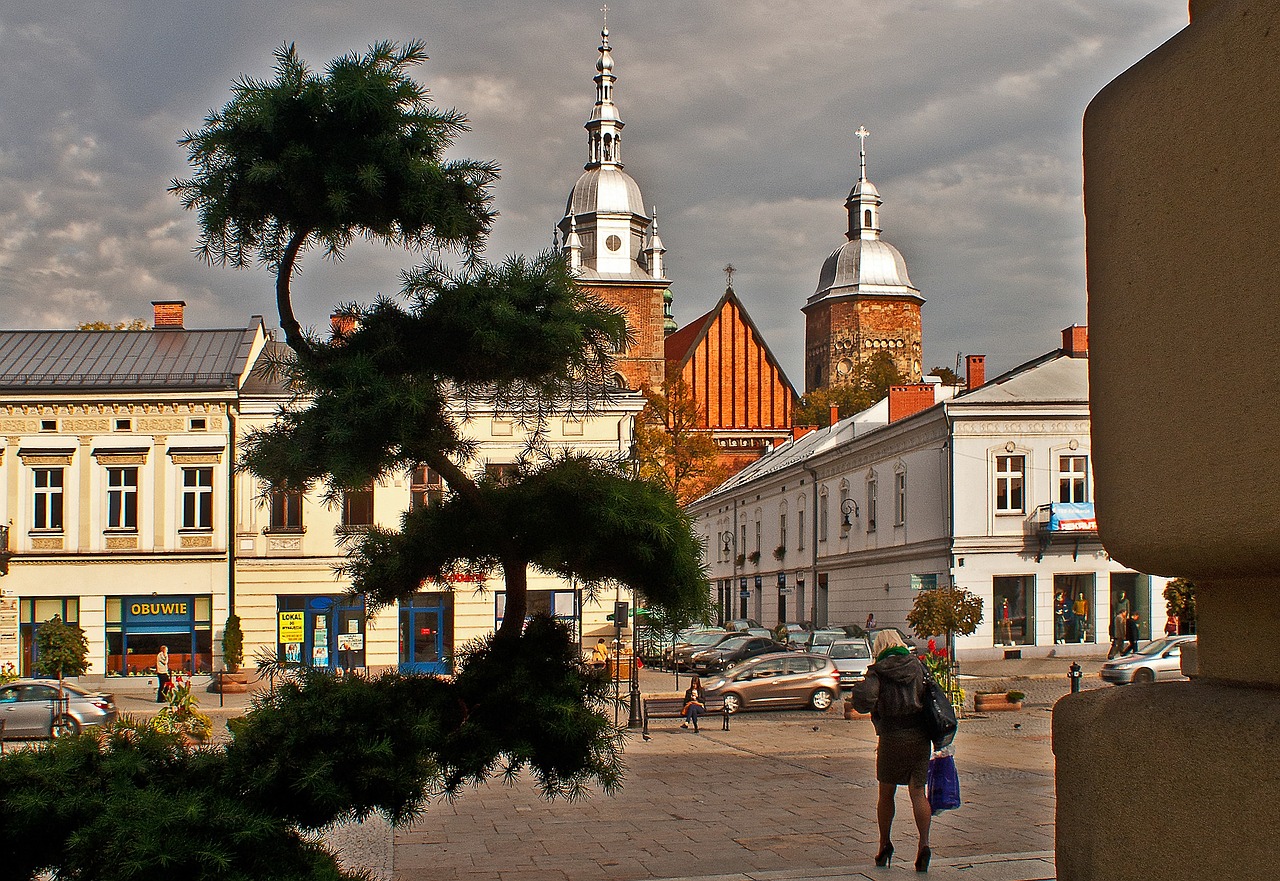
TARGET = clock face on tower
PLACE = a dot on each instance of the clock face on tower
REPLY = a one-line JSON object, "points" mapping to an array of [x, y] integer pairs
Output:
{"points": [[613, 243]]}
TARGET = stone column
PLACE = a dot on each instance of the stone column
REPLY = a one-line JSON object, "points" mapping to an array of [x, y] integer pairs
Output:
{"points": [[1182, 202]]}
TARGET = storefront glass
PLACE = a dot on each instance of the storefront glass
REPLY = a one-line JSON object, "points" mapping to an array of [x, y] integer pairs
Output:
{"points": [[1074, 619], [1131, 592], [138, 626], [325, 631], [1013, 599], [559, 604], [426, 634]]}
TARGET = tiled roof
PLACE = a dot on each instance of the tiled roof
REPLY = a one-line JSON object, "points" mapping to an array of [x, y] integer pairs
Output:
{"points": [[135, 359]]}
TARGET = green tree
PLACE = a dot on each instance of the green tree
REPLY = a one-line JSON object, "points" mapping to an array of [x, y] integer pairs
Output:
{"points": [[946, 611], [61, 649], [131, 324], [233, 643], [947, 375], [1180, 600], [870, 386], [672, 448]]}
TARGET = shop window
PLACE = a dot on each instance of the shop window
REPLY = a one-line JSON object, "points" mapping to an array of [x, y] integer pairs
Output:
{"points": [[197, 498], [357, 507], [1131, 593], [559, 604], [1073, 478], [500, 472], [321, 631], [1013, 598], [1074, 619], [137, 626], [1010, 473], [426, 488], [47, 499], [286, 510], [122, 499], [33, 612]]}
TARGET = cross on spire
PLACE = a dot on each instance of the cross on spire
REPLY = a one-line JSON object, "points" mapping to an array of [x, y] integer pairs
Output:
{"points": [[605, 11], [862, 134], [728, 273]]}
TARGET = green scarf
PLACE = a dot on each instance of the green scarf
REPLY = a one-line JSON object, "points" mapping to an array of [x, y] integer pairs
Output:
{"points": [[893, 650]]}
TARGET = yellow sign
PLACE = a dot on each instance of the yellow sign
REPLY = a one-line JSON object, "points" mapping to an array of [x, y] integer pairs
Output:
{"points": [[291, 626]]}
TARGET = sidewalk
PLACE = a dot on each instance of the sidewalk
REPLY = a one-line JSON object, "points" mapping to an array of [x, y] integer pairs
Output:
{"points": [[1038, 866]]}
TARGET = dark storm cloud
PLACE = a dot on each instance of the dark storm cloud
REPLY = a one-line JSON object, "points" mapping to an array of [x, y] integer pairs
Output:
{"points": [[740, 119]]}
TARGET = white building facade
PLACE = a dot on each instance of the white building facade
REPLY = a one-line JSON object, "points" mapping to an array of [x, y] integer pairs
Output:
{"points": [[989, 490]]}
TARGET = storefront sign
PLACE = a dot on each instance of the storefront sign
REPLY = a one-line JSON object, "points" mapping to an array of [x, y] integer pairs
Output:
{"points": [[290, 626], [350, 642], [157, 610]]}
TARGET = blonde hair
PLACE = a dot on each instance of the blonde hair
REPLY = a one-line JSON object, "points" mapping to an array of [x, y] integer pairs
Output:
{"points": [[886, 639]]}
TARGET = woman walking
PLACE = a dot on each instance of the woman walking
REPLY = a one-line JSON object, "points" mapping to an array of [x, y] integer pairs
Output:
{"points": [[893, 692]]}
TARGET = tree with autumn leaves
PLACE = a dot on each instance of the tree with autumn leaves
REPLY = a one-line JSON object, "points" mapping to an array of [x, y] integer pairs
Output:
{"points": [[671, 447]]}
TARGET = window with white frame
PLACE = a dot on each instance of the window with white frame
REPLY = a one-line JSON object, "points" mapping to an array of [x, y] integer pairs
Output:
{"points": [[1010, 475], [1073, 478], [823, 511], [47, 499], [122, 498], [872, 492], [197, 498], [899, 498]]}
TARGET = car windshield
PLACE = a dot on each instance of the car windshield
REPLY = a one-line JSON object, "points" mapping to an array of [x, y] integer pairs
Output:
{"points": [[737, 642], [1156, 646], [705, 638], [827, 637], [844, 650]]}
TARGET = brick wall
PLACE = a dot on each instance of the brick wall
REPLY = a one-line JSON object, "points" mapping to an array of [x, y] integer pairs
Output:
{"points": [[842, 336]]}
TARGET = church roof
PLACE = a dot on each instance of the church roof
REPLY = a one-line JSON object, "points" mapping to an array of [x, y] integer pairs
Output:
{"points": [[681, 345]]}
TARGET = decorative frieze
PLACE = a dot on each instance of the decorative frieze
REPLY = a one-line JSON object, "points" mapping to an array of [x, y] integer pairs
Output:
{"points": [[122, 542], [47, 544], [197, 541]]}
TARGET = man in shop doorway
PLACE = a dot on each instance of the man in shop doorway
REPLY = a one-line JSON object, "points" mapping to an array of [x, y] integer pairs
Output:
{"points": [[162, 674]]}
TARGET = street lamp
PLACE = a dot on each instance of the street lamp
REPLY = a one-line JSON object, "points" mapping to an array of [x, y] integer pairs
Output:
{"points": [[847, 507]]}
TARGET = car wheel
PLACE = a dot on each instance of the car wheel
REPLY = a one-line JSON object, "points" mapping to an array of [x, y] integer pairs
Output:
{"points": [[821, 699], [732, 703], [64, 726], [1142, 674]]}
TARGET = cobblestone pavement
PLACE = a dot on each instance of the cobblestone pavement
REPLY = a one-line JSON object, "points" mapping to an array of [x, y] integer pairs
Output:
{"points": [[784, 792]]}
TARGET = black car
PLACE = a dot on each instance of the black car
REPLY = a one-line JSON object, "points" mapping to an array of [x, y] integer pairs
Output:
{"points": [[732, 652], [703, 639]]}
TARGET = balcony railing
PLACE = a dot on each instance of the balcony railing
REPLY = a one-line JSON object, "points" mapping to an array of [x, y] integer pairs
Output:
{"points": [[1063, 520]]}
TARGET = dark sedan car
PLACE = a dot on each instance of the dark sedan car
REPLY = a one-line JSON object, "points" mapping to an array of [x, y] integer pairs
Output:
{"points": [[703, 639], [30, 708], [732, 652]]}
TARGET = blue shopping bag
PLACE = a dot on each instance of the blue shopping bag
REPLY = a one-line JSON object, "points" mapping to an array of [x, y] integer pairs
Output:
{"points": [[944, 784]]}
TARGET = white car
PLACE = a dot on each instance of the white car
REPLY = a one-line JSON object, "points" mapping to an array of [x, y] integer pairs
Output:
{"points": [[852, 657], [1158, 659]]}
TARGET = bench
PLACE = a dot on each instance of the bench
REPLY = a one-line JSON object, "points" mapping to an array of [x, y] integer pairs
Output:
{"points": [[673, 708]]}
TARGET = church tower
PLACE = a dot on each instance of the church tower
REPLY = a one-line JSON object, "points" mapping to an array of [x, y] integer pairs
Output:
{"points": [[865, 303], [611, 243]]}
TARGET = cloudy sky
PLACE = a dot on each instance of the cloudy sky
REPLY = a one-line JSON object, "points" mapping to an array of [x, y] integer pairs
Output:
{"points": [[739, 118]]}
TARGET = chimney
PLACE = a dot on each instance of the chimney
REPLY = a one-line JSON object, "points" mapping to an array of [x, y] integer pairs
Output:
{"points": [[168, 313], [907, 400], [1075, 341], [835, 414], [341, 324], [799, 431], [975, 371]]}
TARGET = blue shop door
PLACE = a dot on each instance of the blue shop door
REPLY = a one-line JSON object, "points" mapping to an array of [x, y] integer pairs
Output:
{"points": [[422, 640]]}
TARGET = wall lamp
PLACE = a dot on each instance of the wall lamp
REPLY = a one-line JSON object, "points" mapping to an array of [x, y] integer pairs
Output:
{"points": [[847, 507], [727, 538]]}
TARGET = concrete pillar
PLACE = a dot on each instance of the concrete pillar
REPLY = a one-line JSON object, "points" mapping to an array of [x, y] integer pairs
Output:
{"points": [[1182, 203]]}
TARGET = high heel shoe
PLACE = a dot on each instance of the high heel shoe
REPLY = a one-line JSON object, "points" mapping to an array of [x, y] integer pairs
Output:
{"points": [[885, 857], [922, 860]]}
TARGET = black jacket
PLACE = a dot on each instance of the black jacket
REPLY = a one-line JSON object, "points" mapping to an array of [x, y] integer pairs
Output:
{"points": [[893, 692]]}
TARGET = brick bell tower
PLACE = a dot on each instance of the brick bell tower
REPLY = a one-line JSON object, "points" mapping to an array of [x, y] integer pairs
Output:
{"points": [[865, 303], [612, 244]]}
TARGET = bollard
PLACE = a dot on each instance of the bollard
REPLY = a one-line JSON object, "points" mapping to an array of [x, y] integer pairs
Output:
{"points": [[1074, 674]]}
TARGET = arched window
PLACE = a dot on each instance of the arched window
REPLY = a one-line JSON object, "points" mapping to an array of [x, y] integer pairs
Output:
{"points": [[866, 218]]}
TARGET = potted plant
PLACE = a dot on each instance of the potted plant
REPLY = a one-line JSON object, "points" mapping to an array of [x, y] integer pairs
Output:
{"points": [[232, 644], [997, 701], [181, 716], [742, 559], [754, 556], [779, 552]]}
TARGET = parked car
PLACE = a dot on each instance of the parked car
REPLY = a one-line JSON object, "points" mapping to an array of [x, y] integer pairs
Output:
{"points": [[852, 657], [1158, 659], [741, 624], [910, 642], [732, 652], [757, 631], [790, 679], [29, 708], [703, 639], [798, 636], [820, 640]]}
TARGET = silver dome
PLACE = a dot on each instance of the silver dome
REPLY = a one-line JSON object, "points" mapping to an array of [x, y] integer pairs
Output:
{"points": [[605, 189], [866, 266]]}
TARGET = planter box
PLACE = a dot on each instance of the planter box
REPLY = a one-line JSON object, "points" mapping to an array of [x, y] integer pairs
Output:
{"points": [[985, 703]]}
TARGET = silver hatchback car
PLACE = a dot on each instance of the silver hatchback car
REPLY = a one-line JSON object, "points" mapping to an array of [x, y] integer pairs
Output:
{"points": [[29, 708], [1158, 659], [783, 679], [852, 657]]}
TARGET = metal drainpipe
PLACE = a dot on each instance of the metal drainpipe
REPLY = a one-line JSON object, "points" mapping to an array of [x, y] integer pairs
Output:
{"points": [[813, 474], [231, 514]]}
